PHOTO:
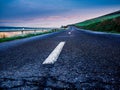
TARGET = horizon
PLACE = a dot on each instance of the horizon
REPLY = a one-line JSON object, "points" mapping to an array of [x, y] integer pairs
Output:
{"points": [[45, 13]]}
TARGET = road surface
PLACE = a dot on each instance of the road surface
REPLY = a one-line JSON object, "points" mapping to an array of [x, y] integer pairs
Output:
{"points": [[74, 59]]}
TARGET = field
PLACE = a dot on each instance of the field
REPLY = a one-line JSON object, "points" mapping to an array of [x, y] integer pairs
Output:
{"points": [[18, 33], [9, 36]]}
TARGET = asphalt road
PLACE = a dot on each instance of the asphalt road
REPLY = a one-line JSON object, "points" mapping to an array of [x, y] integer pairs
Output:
{"points": [[88, 61]]}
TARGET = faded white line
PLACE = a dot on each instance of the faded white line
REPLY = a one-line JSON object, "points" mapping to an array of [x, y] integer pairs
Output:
{"points": [[52, 58], [69, 32]]}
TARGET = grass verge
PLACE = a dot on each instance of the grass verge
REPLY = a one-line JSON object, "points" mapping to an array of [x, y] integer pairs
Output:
{"points": [[110, 25], [107, 23]]}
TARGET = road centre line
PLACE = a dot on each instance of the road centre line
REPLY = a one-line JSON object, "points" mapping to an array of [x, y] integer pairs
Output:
{"points": [[52, 58]]}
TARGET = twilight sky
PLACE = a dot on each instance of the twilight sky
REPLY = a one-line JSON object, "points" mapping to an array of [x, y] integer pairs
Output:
{"points": [[52, 13]]}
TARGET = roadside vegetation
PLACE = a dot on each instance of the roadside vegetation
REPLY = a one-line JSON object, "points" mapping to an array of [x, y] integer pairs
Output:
{"points": [[4, 39], [106, 23]]}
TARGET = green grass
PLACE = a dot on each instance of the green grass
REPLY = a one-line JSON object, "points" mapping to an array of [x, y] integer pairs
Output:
{"points": [[24, 36], [96, 20], [108, 23]]}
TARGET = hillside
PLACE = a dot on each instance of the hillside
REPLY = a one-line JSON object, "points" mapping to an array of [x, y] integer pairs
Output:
{"points": [[106, 23]]}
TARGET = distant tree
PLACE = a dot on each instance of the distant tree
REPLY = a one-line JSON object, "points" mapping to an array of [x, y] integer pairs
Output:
{"points": [[64, 26]]}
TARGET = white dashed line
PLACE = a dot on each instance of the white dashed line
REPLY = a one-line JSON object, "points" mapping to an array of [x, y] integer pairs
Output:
{"points": [[69, 32], [52, 58]]}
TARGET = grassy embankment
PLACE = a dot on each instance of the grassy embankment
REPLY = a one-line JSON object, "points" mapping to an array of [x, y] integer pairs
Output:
{"points": [[25, 36], [107, 23]]}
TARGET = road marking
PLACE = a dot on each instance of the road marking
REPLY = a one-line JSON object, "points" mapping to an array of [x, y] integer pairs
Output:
{"points": [[69, 32], [52, 58]]}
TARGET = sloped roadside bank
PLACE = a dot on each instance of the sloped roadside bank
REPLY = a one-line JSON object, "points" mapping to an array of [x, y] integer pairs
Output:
{"points": [[111, 26], [108, 23]]}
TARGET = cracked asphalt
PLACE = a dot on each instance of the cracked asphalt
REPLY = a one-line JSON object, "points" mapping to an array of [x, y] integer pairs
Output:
{"points": [[88, 61]]}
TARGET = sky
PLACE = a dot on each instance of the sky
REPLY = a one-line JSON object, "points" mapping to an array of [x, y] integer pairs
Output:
{"points": [[52, 13]]}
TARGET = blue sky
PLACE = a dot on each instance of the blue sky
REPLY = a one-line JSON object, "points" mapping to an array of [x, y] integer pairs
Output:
{"points": [[52, 13]]}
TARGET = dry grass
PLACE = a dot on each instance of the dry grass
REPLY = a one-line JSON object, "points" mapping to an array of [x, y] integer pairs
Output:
{"points": [[8, 36], [11, 34]]}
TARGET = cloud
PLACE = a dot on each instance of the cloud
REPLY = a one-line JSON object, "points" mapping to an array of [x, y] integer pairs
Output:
{"points": [[27, 9], [52, 12]]}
